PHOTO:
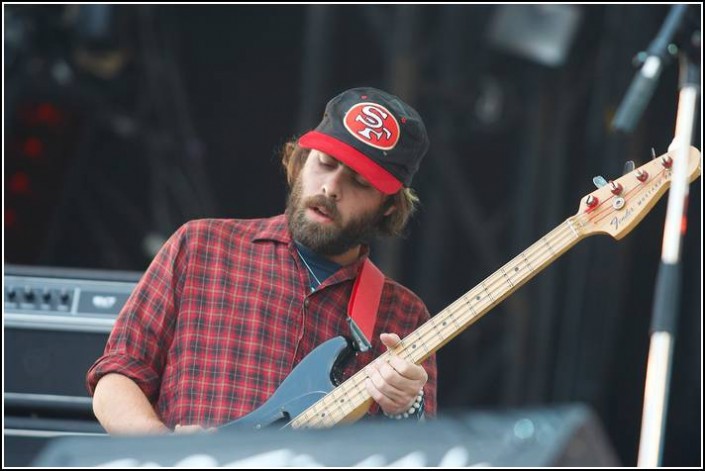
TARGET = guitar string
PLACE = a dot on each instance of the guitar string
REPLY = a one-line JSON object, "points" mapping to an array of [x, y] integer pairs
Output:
{"points": [[581, 219], [495, 278], [356, 383], [556, 235], [356, 380]]}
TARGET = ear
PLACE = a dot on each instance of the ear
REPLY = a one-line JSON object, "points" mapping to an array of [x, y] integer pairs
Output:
{"points": [[391, 209]]}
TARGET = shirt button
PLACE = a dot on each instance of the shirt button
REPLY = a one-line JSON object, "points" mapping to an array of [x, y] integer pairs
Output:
{"points": [[307, 302]]}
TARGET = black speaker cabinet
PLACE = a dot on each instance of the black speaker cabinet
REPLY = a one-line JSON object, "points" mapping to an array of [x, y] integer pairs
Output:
{"points": [[560, 436], [56, 323]]}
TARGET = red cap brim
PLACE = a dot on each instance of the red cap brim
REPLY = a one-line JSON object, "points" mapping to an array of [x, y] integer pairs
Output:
{"points": [[353, 158]]}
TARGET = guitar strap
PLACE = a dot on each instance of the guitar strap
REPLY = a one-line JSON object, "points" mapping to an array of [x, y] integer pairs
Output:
{"points": [[364, 302]]}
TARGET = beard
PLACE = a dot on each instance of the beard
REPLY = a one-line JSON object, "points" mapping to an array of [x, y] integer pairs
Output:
{"points": [[330, 239]]}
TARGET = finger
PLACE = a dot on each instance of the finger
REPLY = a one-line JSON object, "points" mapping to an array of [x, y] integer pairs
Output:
{"points": [[187, 429], [391, 391], [391, 406], [407, 389], [391, 376], [390, 340], [386, 403], [408, 370], [377, 395], [401, 373]]}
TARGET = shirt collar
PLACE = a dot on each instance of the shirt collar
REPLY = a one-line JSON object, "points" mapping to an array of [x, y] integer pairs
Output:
{"points": [[276, 229], [348, 272]]}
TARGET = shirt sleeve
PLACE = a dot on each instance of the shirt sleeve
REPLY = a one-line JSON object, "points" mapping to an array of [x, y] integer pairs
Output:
{"points": [[138, 344]]}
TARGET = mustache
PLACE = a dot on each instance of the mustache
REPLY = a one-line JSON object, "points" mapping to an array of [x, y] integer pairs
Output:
{"points": [[328, 205]]}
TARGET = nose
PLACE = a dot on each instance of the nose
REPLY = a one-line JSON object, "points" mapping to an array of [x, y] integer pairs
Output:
{"points": [[333, 185]]}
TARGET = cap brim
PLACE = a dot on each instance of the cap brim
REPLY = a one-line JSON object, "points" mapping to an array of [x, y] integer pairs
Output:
{"points": [[353, 158]]}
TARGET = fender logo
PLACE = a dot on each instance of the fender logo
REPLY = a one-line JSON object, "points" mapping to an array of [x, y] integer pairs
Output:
{"points": [[618, 221]]}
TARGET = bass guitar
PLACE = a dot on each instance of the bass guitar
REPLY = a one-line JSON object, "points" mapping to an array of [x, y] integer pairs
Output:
{"points": [[312, 397]]}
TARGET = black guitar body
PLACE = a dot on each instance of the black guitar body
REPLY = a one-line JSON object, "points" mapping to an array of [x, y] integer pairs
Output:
{"points": [[316, 375]]}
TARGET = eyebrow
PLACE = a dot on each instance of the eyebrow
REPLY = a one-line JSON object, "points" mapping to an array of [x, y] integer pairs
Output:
{"points": [[352, 171]]}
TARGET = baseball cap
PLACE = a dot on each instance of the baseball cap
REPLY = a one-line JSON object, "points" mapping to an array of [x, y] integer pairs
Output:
{"points": [[374, 133]]}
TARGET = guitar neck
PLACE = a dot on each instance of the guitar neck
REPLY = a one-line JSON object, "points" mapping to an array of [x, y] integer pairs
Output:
{"points": [[447, 324], [613, 209], [477, 302]]}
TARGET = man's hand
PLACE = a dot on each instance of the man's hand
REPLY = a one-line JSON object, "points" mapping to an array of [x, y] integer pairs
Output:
{"points": [[184, 429], [394, 383]]}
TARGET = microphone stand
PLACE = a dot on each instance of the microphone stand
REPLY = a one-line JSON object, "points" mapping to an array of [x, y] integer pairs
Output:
{"points": [[644, 83], [667, 295]]}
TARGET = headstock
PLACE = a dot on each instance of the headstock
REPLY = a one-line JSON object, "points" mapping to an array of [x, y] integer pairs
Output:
{"points": [[616, 208]]}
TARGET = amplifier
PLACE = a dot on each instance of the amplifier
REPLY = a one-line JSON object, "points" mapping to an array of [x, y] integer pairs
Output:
{"points": [[565, 436], [56, 324]]}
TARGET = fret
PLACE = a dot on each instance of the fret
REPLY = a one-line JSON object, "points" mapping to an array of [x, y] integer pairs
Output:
{"points": [[570, 225], [509, 281], [487, 291], [454, 318], [469, 304], [420, 348], [516, 271], [526, 260], [437, 329], [550, 249]]}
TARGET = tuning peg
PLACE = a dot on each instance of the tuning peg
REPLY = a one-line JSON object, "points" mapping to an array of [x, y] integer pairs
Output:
{"points": [[616, 188], [599, 181], [653, 153], [591, 202], [667, 161], [628, 167]]}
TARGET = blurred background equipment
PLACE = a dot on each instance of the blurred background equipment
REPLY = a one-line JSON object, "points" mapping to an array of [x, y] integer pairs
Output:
{"points": [[56, 323], [542, 33], [123, 121], [559, 436], [99, 137]]}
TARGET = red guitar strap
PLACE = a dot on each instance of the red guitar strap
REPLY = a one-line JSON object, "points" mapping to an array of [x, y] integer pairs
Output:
{"points": [[364, 302]]}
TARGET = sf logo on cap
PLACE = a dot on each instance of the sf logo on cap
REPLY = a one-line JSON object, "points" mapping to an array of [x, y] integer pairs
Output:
{"points": [[372, 124]]}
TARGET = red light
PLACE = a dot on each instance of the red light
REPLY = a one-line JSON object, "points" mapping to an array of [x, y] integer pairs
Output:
{"points": [[33, 147], [42, 113], [48, 113], [19, 184], [10, 217]]}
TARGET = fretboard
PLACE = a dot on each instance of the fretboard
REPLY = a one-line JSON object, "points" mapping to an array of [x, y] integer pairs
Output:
{"points": [[447, 324]]}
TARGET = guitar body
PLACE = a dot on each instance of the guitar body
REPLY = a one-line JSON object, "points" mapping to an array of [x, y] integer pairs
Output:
{"points": [[313, 378]]}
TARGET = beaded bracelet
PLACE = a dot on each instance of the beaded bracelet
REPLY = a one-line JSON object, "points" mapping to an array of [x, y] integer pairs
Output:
{"points": [[415, 410]]}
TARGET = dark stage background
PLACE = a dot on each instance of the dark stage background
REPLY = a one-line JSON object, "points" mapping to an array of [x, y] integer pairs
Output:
{"points": [[123, 122]]}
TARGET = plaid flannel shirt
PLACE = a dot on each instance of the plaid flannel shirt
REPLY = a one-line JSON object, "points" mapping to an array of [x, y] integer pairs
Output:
{"points": [[224, 313]]}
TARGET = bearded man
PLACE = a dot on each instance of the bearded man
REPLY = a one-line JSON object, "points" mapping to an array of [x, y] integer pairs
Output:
{"points": [[228, 308]]}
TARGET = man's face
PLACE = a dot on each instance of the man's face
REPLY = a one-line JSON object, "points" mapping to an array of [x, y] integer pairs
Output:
{"points": [[331, 208]]}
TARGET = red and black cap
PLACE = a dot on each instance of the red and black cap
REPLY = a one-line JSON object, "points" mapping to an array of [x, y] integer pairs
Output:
{"points": [[374, 133]]}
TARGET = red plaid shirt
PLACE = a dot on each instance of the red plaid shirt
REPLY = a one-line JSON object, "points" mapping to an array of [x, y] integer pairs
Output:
{"points": [[224, 313]]}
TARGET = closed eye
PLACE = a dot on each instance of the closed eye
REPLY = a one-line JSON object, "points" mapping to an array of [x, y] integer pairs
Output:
{"points": [[327, 162], [330, 163], [361, 182]]}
